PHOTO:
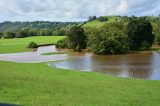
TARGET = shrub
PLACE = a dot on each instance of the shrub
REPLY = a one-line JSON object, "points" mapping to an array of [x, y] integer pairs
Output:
{"points": [[145, 45], [32, 45], [63, 43], [157, 39], [78, 48]]}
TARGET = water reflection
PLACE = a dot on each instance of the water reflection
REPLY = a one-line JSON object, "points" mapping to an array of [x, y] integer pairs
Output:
{"points": [[145, 65]]}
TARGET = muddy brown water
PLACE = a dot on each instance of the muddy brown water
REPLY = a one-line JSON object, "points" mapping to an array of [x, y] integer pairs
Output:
{"points": [[142, 65]]}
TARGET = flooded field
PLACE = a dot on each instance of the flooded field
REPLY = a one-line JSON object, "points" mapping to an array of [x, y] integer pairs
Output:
{"points": [[144, 65]]}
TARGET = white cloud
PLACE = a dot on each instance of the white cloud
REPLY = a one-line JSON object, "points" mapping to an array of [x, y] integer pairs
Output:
{"points": [[73, 10]]}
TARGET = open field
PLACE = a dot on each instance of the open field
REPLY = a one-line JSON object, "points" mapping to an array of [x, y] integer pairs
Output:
{"points": [[37, 84], [20, 44]]}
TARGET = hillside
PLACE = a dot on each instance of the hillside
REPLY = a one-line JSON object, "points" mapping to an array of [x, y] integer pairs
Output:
{"points": [[97, 23], [14, 26]]}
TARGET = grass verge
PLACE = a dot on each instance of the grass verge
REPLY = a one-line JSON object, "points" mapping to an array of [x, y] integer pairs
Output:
{"points": [[54, 53]]}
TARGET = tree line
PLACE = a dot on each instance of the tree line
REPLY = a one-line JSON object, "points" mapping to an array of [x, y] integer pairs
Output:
{"points": [[112, 38], [22, 33], [38, 28]]}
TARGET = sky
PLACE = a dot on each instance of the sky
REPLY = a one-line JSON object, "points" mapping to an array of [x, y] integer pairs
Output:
{"points": [[73, 10]]}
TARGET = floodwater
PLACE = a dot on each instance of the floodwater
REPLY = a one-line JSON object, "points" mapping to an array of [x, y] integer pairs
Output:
{"points": [[143, 65], [35, 56]]}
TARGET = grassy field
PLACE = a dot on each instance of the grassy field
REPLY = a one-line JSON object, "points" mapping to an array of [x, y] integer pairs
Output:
{"points": [[20, 44], [39, 85]]}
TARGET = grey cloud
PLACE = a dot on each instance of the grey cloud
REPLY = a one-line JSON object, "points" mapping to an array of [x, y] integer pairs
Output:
{"points": [[71, 10]]}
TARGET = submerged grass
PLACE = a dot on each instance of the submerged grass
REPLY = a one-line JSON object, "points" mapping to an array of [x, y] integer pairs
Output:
{"points": [[39, 85], [54, 53]]}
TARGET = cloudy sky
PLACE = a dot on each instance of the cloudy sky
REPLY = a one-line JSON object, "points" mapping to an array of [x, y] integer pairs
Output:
{"points": [[73, 10]]}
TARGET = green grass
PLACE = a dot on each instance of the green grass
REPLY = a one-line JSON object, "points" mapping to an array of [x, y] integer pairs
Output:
{"points": [[52, 53], [39, 85], [94, 24], [20, 44], [97, 23]]}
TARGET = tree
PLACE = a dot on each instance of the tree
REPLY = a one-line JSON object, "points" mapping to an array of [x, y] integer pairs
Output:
{"points": [[21, 33], [32, 32], [8, 34], [92, 18], [139, 30], [58, 32], [76, 37], [156, 31], [1, 35], [109, 39], [63, 43], [157, 39], [102, 19]]}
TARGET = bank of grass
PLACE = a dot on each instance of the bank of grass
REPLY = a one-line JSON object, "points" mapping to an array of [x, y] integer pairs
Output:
{"points": [[39, 85], [20, 44]]}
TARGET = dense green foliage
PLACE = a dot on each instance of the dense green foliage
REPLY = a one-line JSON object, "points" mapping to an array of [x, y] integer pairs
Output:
{"points": [[154, 20], [63, 43], [102, 19], [39, 28], [8, 35], [21, 34], [115, 37], [14, 26], [157, 39], [109, 39], [37, 84], [139, 31], [76, 37], [156, 31]]}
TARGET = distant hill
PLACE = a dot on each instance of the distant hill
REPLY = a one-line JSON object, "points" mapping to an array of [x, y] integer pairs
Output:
{"points": [[14, 26]]}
